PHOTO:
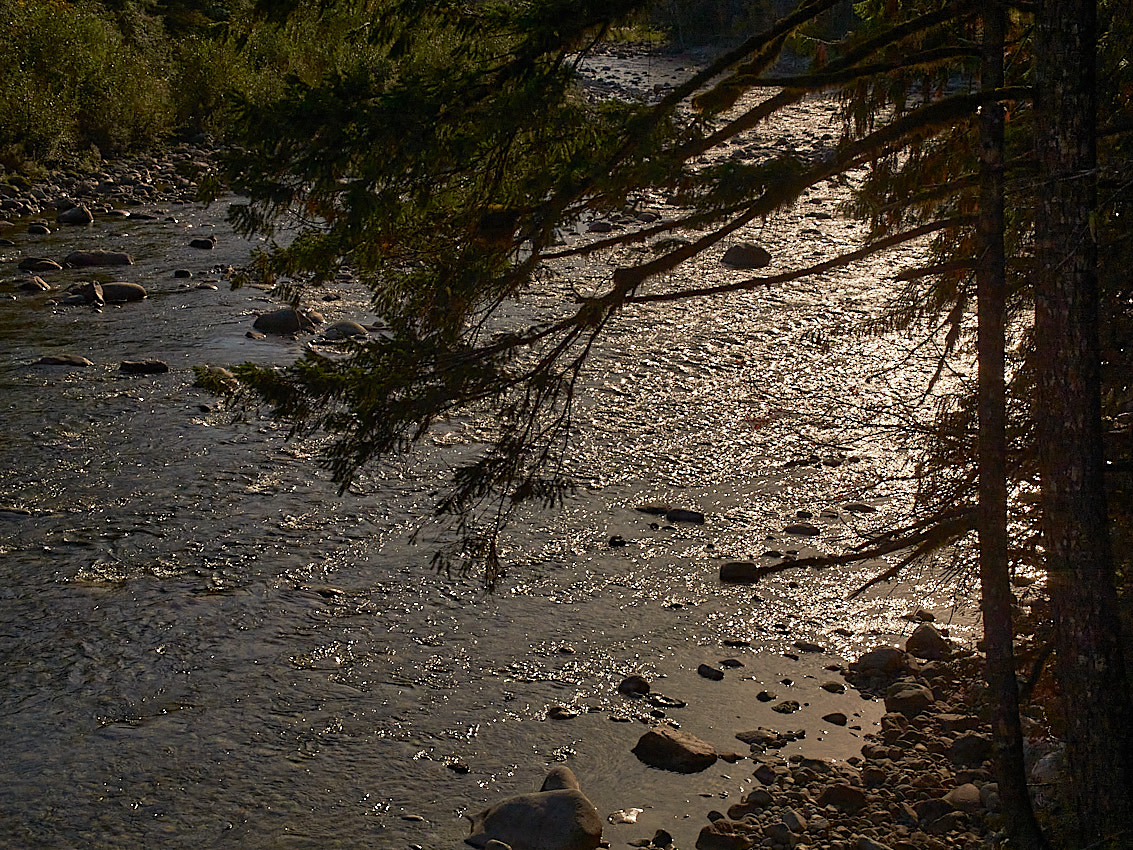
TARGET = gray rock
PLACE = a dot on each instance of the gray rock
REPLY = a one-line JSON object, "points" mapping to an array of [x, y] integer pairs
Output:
{"points": [[75, 215], [287, 321], [909, 698], [667, 748], [927, 642], [560, 817], [87, 259], [747, 255]]}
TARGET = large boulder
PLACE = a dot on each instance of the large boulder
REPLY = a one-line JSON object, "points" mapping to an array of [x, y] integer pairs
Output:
{"points": [[559, 817], [288, 320], [87, 259], [671, 749], [927, 642]]}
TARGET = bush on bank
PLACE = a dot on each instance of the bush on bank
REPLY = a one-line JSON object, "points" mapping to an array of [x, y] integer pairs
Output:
{"points": [[82, 80]]}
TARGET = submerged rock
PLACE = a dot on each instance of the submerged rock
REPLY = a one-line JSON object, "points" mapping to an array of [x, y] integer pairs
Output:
{"points": [[62, 360], [122, 292], [75, 215]]}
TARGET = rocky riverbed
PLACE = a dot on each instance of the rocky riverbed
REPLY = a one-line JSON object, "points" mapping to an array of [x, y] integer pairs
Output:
{"points": [[243, 657]]}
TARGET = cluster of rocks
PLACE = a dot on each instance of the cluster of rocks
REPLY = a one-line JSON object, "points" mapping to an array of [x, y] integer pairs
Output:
{"points": [[923, 782], [171, 176]]}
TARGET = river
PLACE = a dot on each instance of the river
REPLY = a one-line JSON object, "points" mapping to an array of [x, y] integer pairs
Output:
{"points": [[204, 644]]}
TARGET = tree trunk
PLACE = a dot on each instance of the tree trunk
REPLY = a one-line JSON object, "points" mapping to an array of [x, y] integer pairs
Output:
{"points": [[1090, 666], [996, 596]]}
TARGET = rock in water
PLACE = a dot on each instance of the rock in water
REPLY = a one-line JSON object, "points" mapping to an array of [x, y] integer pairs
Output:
{"points": [[671, 749], [287, 321], [143, 367], [747, 255], [121, 292], [86, 259], [62, 360], [38, 264], [559, 817], [75, 215]]}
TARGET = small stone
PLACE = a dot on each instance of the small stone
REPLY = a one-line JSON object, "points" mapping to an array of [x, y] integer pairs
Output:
{"points": [[765, 696], [965, 797], [803, 529], [833, 687], [88, 259], [807, 646], [38, 228], [788, 706], [182, 274], [836, 717], [203, 243], [710, 673], [971, 749], [38, 265]]}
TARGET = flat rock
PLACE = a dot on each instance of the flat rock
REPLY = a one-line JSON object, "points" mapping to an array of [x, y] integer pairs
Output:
{"points": [[667, 748], [344, 330], [62, 360]]}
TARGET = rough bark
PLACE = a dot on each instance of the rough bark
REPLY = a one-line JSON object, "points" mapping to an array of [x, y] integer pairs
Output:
{"points": [[996, 596], [1090, 667]]}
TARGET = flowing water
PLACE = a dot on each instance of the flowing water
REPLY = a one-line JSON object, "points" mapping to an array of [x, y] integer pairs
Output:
{"points": [[204, 644]]}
